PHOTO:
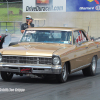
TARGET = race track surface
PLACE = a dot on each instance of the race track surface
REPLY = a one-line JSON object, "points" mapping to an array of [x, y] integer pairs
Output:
{"points": [[77, 87]]}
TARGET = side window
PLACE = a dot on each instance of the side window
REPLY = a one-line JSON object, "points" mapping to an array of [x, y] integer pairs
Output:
{"points": [[84, 37], [79, 36], [75, 37]]}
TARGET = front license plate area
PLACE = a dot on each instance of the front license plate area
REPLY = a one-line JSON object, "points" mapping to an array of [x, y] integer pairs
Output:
{"points": [[25, 70]]}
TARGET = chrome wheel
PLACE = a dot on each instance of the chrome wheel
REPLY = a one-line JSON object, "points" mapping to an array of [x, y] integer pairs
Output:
{"points": [[93, 64], [64, 74], [91, 70]]}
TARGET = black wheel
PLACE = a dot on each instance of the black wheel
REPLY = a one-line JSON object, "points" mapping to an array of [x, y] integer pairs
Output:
{"points": [[6, 76], [91, 70], [64, 75]]}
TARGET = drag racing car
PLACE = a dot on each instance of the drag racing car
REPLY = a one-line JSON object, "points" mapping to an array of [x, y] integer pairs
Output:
{"points": [[44, 51], [2, 39]]}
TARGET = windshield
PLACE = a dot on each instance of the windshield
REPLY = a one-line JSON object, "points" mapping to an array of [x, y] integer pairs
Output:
{"points": [[48, 36]]}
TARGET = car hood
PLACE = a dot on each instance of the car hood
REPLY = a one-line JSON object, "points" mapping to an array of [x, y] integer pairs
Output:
{"points": [[36, 49]]}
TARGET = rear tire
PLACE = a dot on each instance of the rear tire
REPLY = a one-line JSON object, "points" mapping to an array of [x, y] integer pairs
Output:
{"points": [[91, 70], [64, 74], [6, 76]]}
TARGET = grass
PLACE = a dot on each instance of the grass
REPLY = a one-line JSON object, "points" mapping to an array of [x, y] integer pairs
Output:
{"points": [[4, 16], [11, 17]]}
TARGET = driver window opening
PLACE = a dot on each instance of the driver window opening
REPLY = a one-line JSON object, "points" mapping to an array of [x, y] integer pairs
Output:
{"points": [[79, 37]]}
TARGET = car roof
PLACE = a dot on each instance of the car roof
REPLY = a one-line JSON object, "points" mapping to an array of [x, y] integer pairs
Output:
{"points": [[55, 28]]}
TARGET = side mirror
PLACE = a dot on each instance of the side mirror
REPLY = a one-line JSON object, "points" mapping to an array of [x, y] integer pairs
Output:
{"points": [[80, 43]]}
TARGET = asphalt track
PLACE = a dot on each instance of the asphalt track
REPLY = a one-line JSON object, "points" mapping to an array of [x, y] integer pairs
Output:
{"points": [[77, 87]]}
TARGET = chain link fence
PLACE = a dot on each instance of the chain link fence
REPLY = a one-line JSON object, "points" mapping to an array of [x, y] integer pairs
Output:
{"points": [[10, 16], [10, 11]]}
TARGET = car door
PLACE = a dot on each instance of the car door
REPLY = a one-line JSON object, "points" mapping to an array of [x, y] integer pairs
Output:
{"points": [[92, 50], [79, 40]]}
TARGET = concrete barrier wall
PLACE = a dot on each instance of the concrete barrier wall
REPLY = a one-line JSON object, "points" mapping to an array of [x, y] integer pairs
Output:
{"points": [[90, 21]]}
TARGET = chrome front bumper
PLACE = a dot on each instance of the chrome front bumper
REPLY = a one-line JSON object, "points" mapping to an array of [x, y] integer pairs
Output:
{"points": [[36, 69]]}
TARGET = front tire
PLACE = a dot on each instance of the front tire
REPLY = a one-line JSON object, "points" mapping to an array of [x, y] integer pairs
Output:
{"points": [[91, 70], [6, 76], [64, 74]]}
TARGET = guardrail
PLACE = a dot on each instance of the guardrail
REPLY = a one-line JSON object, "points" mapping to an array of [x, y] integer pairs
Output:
{"points": [[15, 26], [11, 26]]}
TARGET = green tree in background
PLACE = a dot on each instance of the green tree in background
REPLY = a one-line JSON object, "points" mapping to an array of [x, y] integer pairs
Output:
{"points": [[9, 0]]}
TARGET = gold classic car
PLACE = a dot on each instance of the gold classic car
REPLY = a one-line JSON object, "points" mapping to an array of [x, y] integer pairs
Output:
{"points": [[57, 51]]}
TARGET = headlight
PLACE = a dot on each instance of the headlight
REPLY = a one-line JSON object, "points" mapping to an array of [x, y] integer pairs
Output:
{"points": [[56, 60], [0, 57]]}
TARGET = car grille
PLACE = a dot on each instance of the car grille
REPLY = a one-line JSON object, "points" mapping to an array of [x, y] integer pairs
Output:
{"points": [[27, 60]]}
